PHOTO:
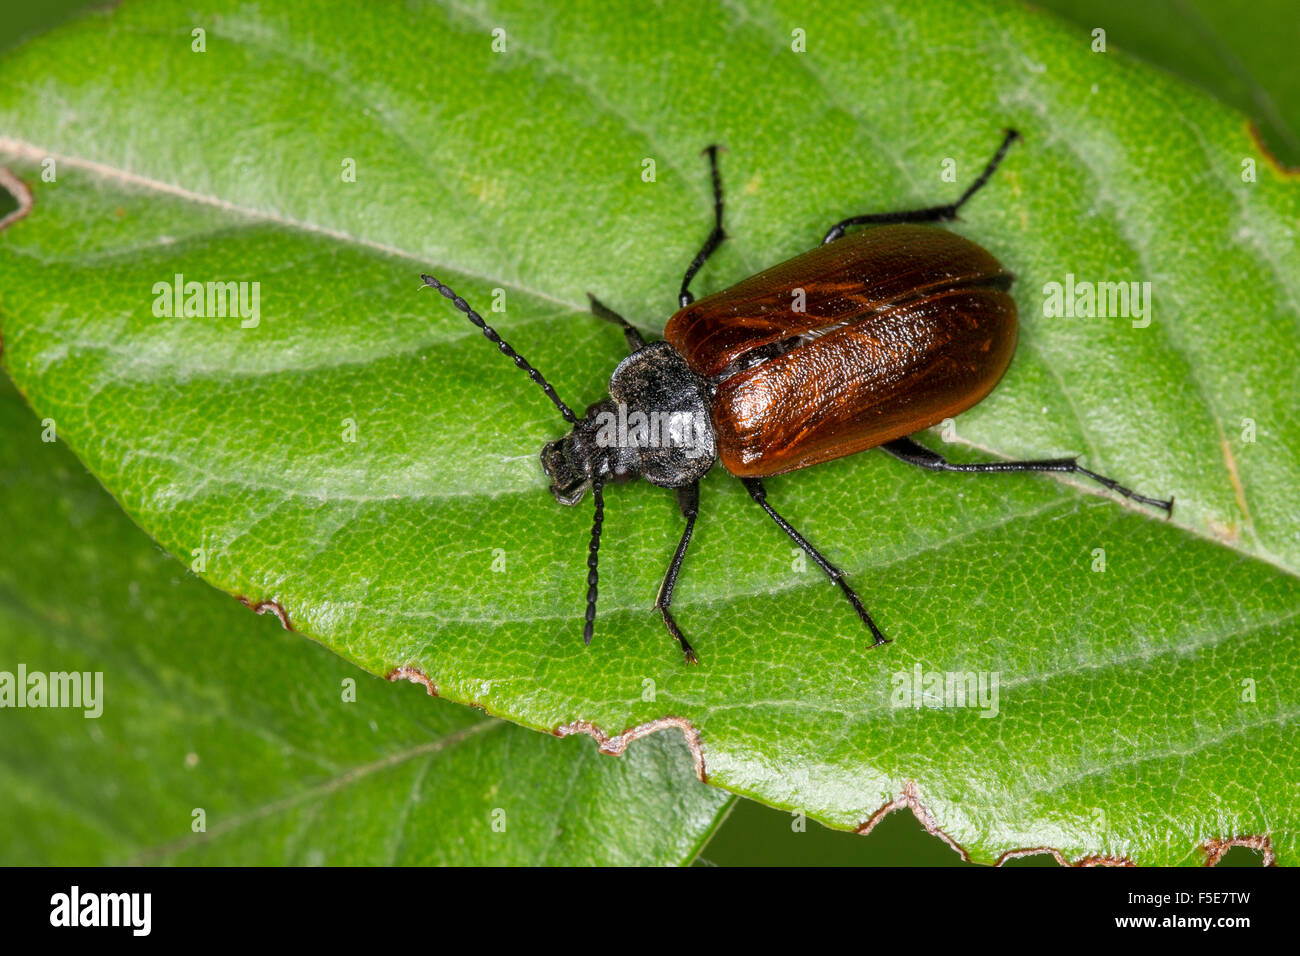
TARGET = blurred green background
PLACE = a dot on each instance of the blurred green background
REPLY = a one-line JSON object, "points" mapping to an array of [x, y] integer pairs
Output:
{"points": [[1240, 53]]}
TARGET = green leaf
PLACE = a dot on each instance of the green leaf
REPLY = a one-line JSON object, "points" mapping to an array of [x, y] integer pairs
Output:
{"points": [[203, 706], [1144, 710], [1241, 53]]}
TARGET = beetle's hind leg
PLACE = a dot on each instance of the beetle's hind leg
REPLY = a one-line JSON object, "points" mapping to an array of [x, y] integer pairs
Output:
{"points": [[635, 340], [716, 236], [688, 499], [930, 213], [759, 494], [914, 453]]}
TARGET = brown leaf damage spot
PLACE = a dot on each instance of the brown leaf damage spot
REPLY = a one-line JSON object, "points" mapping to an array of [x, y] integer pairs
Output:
{"points": [[616, 745], [1215, 849], [910, 799], [415, 676], [18, 189], [1286, 172], [267, 607], [1059, 857], [1099, 861]]}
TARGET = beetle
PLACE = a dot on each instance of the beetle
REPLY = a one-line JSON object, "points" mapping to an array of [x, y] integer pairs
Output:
{"points": [[860, 343]]}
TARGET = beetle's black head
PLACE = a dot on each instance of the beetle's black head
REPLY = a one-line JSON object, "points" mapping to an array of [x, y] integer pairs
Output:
{"points": [[568, 480], [574, 461], [655, 425]]}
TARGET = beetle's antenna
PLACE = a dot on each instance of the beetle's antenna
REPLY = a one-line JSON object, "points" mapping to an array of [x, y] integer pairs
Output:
{"points": [[593, 559], [521, 362]]}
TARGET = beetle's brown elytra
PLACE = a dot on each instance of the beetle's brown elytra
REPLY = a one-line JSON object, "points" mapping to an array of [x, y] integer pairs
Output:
{"points": [[900, 327], [859, 343]]}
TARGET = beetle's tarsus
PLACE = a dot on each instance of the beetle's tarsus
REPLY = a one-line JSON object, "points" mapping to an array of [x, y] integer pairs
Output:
{"points": [[676, 632]]}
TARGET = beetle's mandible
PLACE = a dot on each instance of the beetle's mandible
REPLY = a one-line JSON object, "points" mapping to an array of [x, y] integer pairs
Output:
{"points": [[864, 341]]}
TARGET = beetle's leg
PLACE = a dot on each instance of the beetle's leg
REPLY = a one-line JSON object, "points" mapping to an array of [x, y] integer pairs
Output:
{"points": [[715, 237], [688, 499], [593, 560], [915, 453], [931, 213], [759, 494], [634, 338]]}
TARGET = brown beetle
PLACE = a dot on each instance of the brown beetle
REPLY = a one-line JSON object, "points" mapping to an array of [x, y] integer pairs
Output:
{"points": [[860, 343]]}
